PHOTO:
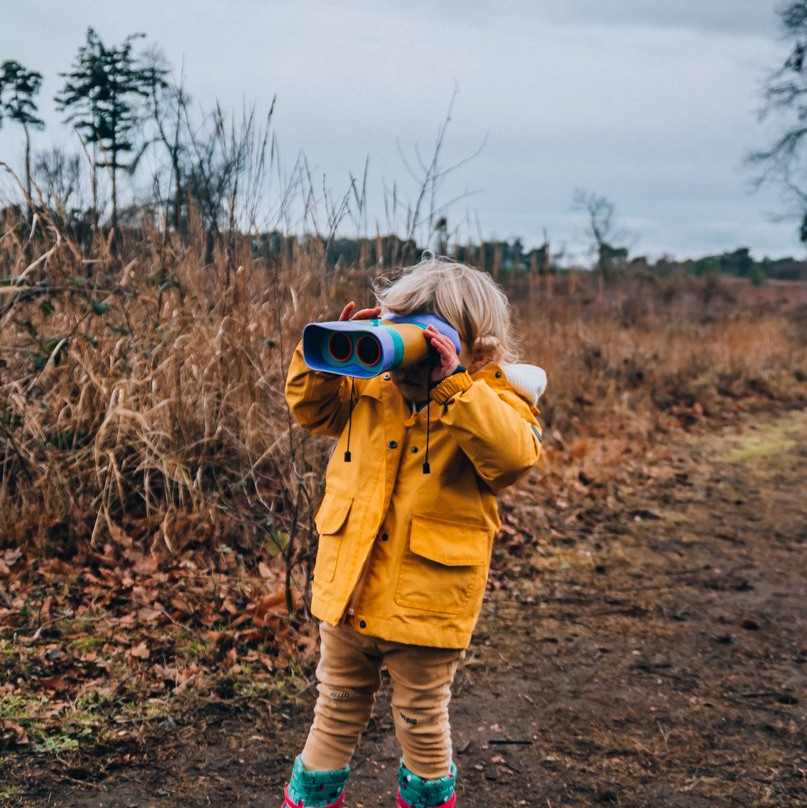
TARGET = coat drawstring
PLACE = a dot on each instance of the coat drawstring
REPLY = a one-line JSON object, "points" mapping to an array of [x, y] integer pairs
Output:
{"points": [[426, 466], [349, 422]]}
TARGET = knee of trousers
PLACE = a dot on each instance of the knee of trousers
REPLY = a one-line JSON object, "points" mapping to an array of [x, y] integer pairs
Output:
{"points": [[337, 727], [425, 740], [343, 707]]}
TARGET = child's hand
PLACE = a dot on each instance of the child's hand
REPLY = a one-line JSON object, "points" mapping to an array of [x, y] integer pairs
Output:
{"points": [[447, 353], [362, 314]]}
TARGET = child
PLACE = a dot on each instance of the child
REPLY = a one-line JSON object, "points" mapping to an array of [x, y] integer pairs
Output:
{"points": [[406, 525]]}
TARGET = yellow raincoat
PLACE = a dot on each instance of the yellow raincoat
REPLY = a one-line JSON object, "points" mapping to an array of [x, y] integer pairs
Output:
{"points": [[405, 555]]}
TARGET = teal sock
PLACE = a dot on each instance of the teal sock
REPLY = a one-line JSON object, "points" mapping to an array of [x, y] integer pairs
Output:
{"points": [[316, 789], [420, 793]]}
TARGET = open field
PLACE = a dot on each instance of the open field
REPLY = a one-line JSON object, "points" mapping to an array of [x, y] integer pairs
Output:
{"points": [[156, 538]]}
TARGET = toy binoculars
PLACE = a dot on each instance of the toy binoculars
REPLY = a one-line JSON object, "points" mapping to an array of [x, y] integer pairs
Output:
{"points": [[365, 348]]}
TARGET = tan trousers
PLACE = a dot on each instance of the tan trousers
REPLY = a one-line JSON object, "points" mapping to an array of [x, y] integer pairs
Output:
{"points": [[349, 674]]}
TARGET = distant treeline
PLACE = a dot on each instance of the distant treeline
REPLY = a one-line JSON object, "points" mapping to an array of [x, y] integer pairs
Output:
{"points": [[741, 264], [505, 256], [391, 250]]}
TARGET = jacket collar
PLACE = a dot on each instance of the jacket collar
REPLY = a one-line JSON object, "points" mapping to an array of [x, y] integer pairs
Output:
{"points": [[374, 387], [492, 373]]}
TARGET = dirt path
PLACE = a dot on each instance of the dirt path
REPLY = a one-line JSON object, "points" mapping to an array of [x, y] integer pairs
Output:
{"points": [[659, 660]]}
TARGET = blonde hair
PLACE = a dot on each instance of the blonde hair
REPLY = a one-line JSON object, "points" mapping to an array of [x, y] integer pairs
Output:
{"points": [[467, 298]]}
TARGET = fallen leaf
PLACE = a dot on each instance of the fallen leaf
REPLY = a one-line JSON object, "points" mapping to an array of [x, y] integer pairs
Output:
{"points": [[140, 651], [12, 734], [148, 614]]}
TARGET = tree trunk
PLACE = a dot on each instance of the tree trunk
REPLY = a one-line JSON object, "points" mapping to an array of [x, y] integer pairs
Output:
{"points": [[28, 199], [177, 192], [94, 189], [177, 174], [113, 150], [114, 194]]}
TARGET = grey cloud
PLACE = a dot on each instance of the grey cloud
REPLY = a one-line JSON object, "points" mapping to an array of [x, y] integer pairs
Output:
{"points": [[731, 17], [713, 16]]}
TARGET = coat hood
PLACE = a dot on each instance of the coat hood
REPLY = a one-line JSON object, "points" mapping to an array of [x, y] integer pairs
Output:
{"points": [[528, 381]]}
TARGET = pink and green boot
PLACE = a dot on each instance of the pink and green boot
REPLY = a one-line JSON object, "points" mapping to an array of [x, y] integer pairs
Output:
{"points": [[415, 792], [315, 789]]}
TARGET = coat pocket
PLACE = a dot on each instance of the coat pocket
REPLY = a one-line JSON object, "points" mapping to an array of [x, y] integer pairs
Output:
{"points": [[330, 519], [445, 568]]}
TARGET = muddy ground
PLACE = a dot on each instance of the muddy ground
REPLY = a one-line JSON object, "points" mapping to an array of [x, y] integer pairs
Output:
{"points": [[658, 657]]}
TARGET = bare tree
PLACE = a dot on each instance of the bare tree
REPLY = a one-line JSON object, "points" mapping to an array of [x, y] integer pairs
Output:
{"points": [[169, 103], [601, 230], [430, 174], [225, 167], [58, 178], [785, 97]]}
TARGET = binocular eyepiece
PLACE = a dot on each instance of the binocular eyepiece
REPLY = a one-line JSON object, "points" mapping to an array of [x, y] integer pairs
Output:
{"points": [[365, 348]]}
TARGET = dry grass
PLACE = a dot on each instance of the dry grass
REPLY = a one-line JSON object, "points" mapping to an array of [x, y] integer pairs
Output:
{"points": [[651, 348], [141, 391]]}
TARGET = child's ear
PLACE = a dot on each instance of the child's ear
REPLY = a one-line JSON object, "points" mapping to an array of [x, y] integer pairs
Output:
{"points": [[484, 349]]}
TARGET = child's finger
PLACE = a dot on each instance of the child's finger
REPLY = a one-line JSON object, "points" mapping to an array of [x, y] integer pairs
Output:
{"points": [[447, 357], [432, 333], [439, 343], [345, 315], [366, 314], [433, 337], [443, 344]]}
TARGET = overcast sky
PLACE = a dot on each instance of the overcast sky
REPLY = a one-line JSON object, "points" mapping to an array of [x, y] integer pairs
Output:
{"points": [[650, 103]]}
